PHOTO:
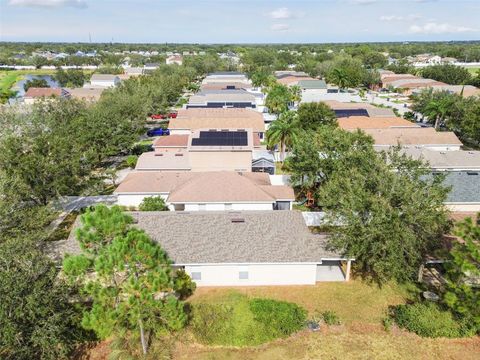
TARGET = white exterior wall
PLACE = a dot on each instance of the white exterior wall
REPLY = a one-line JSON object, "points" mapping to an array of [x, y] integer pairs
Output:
{"points": [[470, 207], [104, 83], [135, 199], [235, 206], [313, 95], [258, 274]]}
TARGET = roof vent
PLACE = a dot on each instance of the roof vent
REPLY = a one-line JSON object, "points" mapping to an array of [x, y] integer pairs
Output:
{"points": [[238, 220], [158, 154], [178, 154], [443, 152]]}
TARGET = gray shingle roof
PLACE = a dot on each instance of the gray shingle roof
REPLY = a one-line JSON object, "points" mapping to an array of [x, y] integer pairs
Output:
{"points": [[312, 84], [465, 186], [212, 237]]}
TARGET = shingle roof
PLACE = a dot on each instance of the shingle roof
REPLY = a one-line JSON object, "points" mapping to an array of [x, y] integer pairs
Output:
{"points": [[229, 96], [212, 237], [35, 92], [221, 186], [103, 77], [364, 122], [412, 136], [312, 84], [218, 119], [465, 186], [165, 161], [457, 159], [171, 140]]}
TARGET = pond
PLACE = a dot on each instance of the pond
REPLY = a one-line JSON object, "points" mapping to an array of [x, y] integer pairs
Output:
{"points": [[18, 87]]}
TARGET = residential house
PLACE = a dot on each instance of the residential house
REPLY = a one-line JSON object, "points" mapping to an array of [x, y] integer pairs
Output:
{"points": [[206, 191], [223, 99], [238, 248], [201, 118], [104, 80], [174, 60], [34, 94], [365, 122], [225, 76], [462, 174], [347, 109], [412, 137], [312, 90], [202, 150], [150, 67], [87, 94]]}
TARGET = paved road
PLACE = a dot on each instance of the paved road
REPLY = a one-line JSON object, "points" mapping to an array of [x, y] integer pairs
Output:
{"points": [[71, 203]]}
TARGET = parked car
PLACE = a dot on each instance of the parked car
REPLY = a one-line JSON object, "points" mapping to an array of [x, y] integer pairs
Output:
{"points": [[170, 115], [158, 132]]}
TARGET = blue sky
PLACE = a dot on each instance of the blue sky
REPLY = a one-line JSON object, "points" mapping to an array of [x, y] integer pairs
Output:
{"points": [[235, 21]]}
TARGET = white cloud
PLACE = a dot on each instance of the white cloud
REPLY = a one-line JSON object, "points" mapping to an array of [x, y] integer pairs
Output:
{"points": [[281, 13], [363, 2], [285, 13], [434, 28], [280, 27], [49, 3], [409, 17]]}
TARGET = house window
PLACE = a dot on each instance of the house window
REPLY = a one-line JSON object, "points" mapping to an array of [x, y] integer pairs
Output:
{"points": [[202, 207], [243, 275], [196, 275]]}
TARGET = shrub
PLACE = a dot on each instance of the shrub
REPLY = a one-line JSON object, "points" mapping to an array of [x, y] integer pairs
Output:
{"points": [[427, 320], [238, 321], [330, 318], [212, 322], [153, 203], [280, 318], [184, 286], [131, 161]]}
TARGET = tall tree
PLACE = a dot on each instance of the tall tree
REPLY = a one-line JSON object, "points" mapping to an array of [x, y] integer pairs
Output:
{"points": [[283, 132], [35, 83], [313, 115], [278, 98], [130, 282], [37, 318], [463, 274], [386, 214]]}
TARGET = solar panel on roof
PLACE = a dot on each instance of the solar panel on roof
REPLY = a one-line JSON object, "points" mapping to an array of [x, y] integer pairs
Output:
{"points": [[351, 112], [221, 138]]}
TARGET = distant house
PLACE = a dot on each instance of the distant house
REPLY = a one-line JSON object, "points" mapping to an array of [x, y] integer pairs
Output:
{"points": [[34, 94], [223, 99], [312, 90], [214, 118], [225, 76], [348, 109], [104, 80], [133, 71], [206, 191], [174, 60], [364, 122], [87, 94], [150, 67], [414, 138]]}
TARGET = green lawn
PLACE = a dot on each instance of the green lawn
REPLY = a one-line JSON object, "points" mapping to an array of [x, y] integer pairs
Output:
{"points": [[473, 70]]}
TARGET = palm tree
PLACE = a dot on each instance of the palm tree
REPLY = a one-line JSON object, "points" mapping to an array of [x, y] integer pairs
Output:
{"points": [[339, 77], [296, 93], [437, 109], [283, 132]]}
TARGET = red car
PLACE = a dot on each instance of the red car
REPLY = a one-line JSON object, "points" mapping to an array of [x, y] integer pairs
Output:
{"points": [[172, 115]]}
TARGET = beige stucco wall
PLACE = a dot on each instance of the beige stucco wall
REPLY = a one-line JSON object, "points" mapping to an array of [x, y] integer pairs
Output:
{"points": [[220, 161]]}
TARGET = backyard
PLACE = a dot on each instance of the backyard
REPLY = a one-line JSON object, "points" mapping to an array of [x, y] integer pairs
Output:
{"points": [[359, 305]]}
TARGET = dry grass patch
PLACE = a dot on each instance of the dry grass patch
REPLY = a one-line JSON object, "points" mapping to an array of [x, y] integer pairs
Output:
{"points": [[352, 343], [354, 301]]}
